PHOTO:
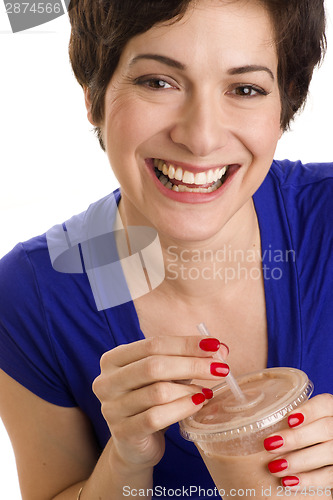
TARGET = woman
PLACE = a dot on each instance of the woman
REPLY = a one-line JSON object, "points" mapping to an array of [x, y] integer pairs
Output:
{"points": [[189, 100]]}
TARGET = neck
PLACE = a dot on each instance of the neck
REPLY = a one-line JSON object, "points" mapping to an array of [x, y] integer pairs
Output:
{"points": [[217, 267]]}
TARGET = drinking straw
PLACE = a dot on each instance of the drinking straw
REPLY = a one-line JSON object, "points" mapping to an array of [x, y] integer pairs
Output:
{"points": [[230, 379]]}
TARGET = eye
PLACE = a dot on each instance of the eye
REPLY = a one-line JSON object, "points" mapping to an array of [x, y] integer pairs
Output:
{"points": [[248, 91], [154, 83]]}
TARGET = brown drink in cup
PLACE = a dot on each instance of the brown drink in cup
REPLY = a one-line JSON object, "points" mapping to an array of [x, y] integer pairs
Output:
{"points": [[229, 435]]}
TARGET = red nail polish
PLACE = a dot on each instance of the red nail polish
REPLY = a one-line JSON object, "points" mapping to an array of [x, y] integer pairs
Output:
{"points": [[198, 398], [219, 369], [295, 419], [278, 465], [273, 442], [208, 393], [207, 345], [290, 481]]}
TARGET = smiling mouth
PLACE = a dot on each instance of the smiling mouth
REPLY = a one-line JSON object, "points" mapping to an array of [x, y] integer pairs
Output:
{"points": [[177, 179]]}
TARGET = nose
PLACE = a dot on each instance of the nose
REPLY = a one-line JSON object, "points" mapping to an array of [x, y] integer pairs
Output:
{"points": [[199, 126]]}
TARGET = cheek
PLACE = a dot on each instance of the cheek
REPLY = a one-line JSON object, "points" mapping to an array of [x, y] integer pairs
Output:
{"points": [[129, 122], [262, 133]]}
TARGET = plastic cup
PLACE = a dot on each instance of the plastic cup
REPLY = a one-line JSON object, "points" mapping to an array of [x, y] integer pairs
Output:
{"points": [[229, 435]]}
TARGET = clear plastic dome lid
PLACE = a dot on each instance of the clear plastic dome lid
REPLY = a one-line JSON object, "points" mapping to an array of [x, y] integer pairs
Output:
{"points": [[271, 394]]}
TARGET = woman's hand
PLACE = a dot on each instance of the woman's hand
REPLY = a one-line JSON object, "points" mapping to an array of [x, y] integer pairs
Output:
{"points": [[306, 449], [141, 395]]}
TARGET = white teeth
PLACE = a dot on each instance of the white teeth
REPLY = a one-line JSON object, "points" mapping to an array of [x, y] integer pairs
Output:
{"points": [[179, 174], [165, 169], [171, 172], [184, 189], [210, 176], [188, 177], [166, 173], [217, 174], [200, 178]]}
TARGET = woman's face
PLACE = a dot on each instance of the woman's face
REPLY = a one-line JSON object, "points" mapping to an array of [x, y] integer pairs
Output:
{"points": [[200, 100]]}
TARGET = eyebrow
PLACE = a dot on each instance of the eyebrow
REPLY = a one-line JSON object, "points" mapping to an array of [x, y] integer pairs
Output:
{"points": [[162, 59], [239, 70], [252, 68]]}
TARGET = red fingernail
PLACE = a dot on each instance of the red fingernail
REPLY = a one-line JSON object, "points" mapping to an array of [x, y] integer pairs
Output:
{"points": [[198, 398], [219, 369], [208, 393], [290, 481], [295, 419], [278, 465], [212, 345], [273, 442]]}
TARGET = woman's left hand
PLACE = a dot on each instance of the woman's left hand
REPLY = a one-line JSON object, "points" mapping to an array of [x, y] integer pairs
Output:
{"points": [[305, 450]]}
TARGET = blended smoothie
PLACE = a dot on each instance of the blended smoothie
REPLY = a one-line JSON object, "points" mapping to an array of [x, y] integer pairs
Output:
{"points": [[230, 435]]}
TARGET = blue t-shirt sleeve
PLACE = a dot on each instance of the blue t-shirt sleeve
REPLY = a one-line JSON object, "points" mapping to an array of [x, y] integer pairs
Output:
{"points": [[26, 350]]}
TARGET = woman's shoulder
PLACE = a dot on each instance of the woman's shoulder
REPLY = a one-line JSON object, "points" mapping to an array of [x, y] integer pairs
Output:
{"points": [[63, 238], [305, 191], [295, 174], [48, 269], [295, 205], [298, 194], [46, 313], [17, 269]]}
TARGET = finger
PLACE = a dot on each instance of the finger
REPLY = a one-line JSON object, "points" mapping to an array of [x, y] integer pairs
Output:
{"points": [[156, 418], [304, 460], [165, 368], [316, 484], [287, 440], [172, 346], [317, 407], [135, 402]]}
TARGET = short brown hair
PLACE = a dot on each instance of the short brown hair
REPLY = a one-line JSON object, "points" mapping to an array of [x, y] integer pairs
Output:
{"points": [[102, 28]]}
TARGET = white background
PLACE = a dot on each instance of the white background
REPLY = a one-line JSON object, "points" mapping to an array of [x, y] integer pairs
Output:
{"points": [[51, 166]]}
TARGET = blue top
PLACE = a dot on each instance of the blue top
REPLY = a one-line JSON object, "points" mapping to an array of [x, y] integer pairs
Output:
{"points": [[52, 334]]}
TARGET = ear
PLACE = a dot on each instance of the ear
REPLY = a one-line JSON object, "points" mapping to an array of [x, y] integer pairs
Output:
{"points": [[87, 101]]}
